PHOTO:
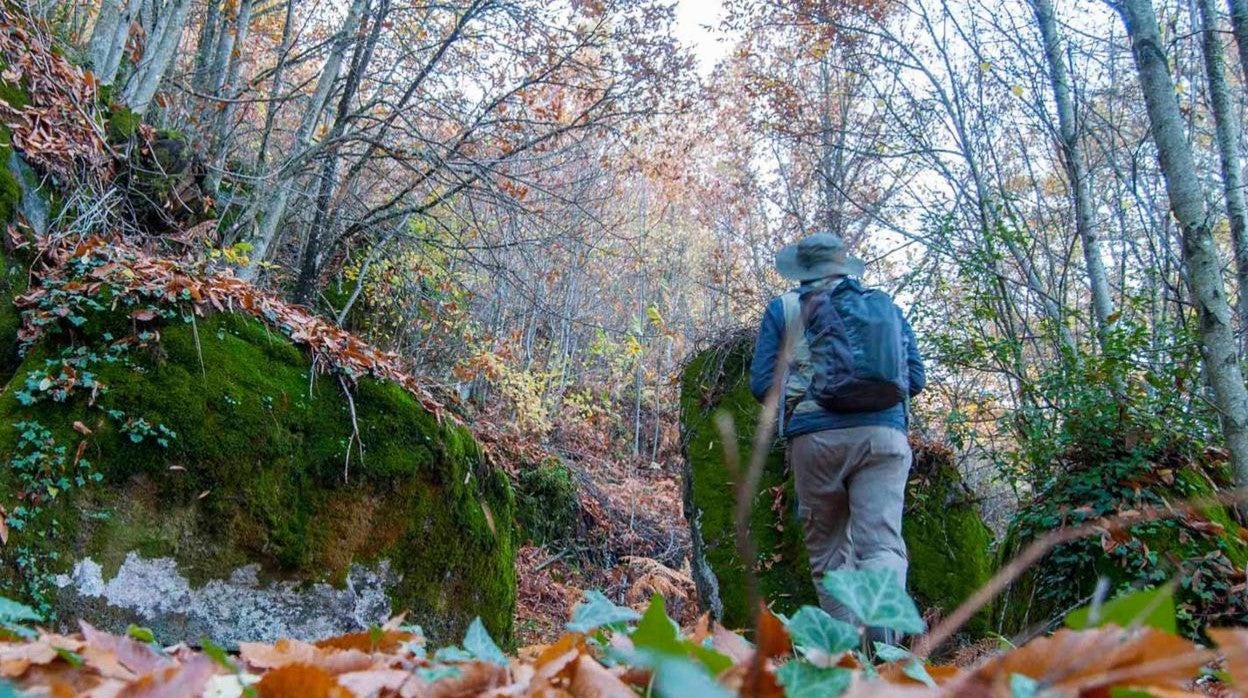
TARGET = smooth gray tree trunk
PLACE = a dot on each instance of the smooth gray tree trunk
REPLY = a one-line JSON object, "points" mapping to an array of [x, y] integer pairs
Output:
{"points": [[108, 38], [1239, 23], [1076, 170], [161, 48], [1226, 128], [1187, 202], [207, 42], [318, 233], [225, 89], [274, 207]]}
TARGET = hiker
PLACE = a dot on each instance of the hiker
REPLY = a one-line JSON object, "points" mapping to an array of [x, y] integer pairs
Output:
{"points": [[852, 368]]}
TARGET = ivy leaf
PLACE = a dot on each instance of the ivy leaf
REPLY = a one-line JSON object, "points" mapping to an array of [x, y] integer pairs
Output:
{"points": [[436, 674], [482, 646], [14, 612], [452, 655], [876, 598], [812, 627], [656, 631], [803, 680], [596, 611], [1150, 608], [678, 677], [911, 665], [1023, 686]]}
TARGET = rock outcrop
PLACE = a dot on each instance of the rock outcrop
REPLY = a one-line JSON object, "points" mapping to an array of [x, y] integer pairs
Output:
{"points": [[204, 480]]}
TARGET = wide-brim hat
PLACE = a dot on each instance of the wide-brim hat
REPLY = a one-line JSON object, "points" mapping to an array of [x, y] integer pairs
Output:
{"points": [[815, 257]]}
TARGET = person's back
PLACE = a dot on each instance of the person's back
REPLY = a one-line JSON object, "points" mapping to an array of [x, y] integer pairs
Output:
{"points": [[843, 357]]}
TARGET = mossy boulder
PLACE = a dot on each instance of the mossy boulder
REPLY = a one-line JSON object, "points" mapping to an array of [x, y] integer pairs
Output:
{"points": [[1203, 550], [212, 466], [948, 542], [547, 507]]}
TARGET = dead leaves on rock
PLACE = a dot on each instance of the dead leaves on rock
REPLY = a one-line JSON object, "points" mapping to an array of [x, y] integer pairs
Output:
{"points": [[117, 267]]}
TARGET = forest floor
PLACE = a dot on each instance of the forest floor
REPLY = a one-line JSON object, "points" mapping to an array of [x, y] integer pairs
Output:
{"points": [[632, 538]]}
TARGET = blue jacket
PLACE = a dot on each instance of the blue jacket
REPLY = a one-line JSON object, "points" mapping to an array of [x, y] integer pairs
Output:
{"points": [[762, 376]]}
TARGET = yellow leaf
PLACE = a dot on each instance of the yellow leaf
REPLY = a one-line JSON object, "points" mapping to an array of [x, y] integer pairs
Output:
{"points": [[1017, 90]]}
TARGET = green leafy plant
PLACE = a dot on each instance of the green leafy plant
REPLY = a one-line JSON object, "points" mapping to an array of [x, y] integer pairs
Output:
{"points": [[15, 616]]}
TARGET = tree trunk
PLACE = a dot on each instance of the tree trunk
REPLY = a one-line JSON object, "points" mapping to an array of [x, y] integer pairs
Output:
{"points": [[1227, 132], [225, 90], [103, 34], [162, 47], [207, 40], [108, 38], [274, 208], [313, 250], [1187, 202], [270, 113], [1239, 23], [1076, 172]]}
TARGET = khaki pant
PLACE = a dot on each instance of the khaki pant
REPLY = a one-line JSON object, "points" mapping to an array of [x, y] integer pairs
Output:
{"points": [[851, 488]]}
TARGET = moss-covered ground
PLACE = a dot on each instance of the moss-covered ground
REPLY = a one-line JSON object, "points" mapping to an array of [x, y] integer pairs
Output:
{"points": [[950, 547], [546, 503]]}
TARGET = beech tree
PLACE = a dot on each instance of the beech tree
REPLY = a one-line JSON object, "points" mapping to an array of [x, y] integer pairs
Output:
{"points": [[1187, 202], [1073, 163]]}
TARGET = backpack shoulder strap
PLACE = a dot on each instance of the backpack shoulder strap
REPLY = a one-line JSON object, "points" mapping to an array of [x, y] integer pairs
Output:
{"points": [[797, 377], [792, 302]]}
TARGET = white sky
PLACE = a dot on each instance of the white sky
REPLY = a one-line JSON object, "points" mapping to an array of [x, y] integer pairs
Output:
{"points": [[697, 23]]}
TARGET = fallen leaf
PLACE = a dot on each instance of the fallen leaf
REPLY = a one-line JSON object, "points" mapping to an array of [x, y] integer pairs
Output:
{"points": [[386, 641], [373, 682], [134, 655], [592, 680], [175, 681], [1234, 645], [300, 681], [1080, 661]]}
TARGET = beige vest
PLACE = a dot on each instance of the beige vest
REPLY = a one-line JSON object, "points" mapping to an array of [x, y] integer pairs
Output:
{"points": [[799, 370]]}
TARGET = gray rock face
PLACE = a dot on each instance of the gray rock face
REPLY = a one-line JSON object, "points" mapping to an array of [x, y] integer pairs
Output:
{"points": [[239, 608]]}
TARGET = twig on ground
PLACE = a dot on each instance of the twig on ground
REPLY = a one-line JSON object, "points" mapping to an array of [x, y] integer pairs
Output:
{"points": [[355, 429]]}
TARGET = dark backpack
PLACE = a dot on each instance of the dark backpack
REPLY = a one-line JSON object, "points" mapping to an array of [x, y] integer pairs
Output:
{"points": [[857, 349]]}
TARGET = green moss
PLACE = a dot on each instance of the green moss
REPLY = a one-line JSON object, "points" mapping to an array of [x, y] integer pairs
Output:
{"points": [[13, 277], [547, 502], [259, 472], [949, 545], [716, 382], [13, 95], [10, 188], [122, 124]]}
